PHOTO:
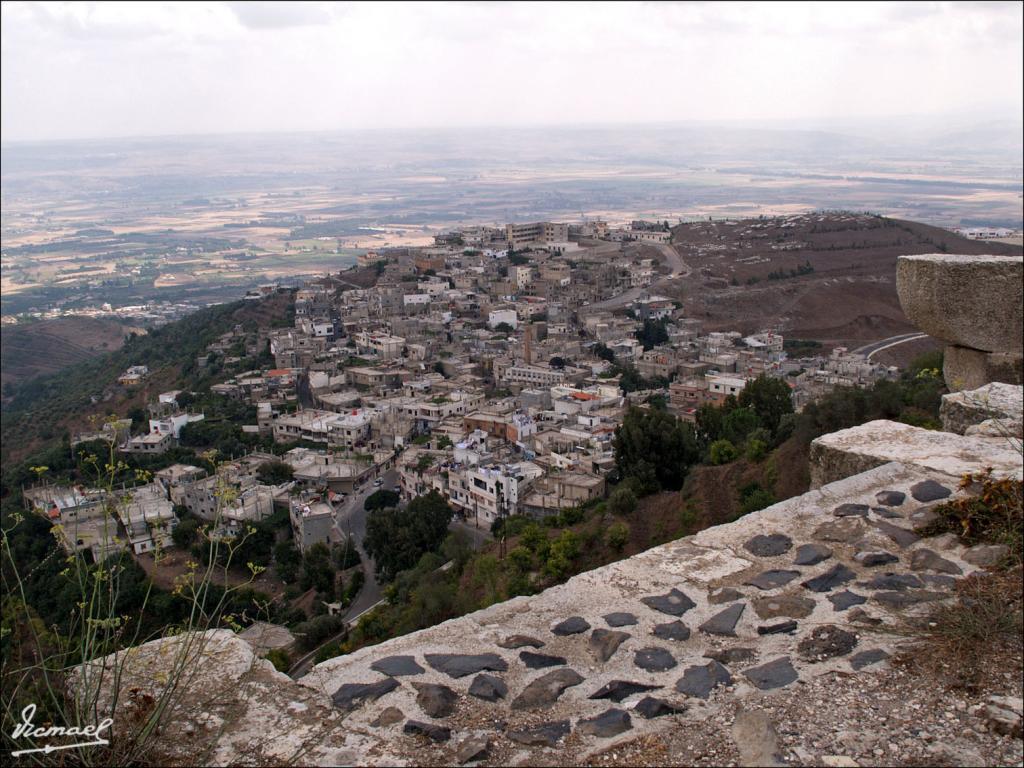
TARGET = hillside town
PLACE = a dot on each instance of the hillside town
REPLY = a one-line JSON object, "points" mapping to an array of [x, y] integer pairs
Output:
{"points": [[492, 367]]}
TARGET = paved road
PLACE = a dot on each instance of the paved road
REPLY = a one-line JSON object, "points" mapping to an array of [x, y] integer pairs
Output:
{"points": [[676, 264], [877, 346]]}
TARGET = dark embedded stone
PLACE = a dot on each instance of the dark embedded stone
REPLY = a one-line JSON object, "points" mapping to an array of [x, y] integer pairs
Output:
{"points": [[654, 659], [353, 695], [672, 630], [618, 690], [860, 660], [939, 581], [433, 732], [388, 716], [769, 546], [907, 598], [731, 655], [836, 576], [846, 599], [861, 616], [772, 579], [611, 722], [605, 642], [488, 687], [826, 643], [459, 664], [886, 512], [620, 619], [890, 498], [724, 595], [545, 735], [890, 580], [395, 666], [540, 660], [851, 510], [811, 554], [929, 490], [520, 641], [844, 530], [923, 518], [651, 708], [546, 689], [473, 748], [791, 606], [901, 536], [699, 681], [927, 560], [571, 626], [783, 627], [724, 622], [774, 674], [436, 700], [673, 602], [873, 559]]}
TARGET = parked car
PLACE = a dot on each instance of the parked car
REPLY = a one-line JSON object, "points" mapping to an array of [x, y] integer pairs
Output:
{"points": [[378, 483]]}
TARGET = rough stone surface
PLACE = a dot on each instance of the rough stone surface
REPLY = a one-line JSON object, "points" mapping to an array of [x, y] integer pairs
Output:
{"points": [[545, 735], [433, 732], [890, 498], [611, 722], [540, 660], [929, 490], [851, 510], [774, 674], [654, 659], [986, 555], [846, 599], [769, 545], [546, 689], [460, 665], [901, 536], [650, 708], [927, 560], [827, 642], [574, 625], [699, 681], [842, 531], [520, 641], [724, 622], [993, 402], [352, 695], [772, 579], [672, 630], [604, 643], [783, 627], [674, 602], [811, 554], [620, 619], [488, 687], [473, 748], [729, 656], [834, 577], [793, 606], [435, 700], [971, 301], [724, 595], [388, 716], [620, 690], [966, 368], [874, 559], [858, 449], [396, 666], [756, 739], [1004, 713]]}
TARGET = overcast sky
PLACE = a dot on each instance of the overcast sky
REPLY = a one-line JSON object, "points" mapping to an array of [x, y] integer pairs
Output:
{"points": [[81, 70]]}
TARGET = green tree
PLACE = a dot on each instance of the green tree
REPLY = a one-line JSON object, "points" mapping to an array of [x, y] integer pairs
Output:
{"points": [[722, 452], [655, 448], [653, 333], [738, 424], [770, 398], [274, 473], [397, 538], [617, 535], [381, 499], [622, 501]]}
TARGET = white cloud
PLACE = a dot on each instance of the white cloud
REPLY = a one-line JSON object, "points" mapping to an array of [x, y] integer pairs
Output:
{"points": [[102, 69]]}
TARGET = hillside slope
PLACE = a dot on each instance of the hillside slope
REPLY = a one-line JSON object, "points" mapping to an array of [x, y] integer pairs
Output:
{"points": [[830, 277], [35, 349]]}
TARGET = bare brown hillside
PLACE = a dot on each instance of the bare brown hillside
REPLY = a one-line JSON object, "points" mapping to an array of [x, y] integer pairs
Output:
{"points": [[33, 349], [830, 277]]}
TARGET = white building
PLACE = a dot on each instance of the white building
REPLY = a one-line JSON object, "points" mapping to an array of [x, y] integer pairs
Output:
{"points": [[499, 316]]}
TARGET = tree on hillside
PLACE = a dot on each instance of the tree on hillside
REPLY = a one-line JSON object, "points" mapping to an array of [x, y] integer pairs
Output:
{"points": [[380, 500], [653, 333], [397, 538], [655, 448], [274, 472], [770, 398]]}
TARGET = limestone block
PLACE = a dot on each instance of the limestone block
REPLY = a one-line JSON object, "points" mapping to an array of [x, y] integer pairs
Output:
{"points": [[961, 410], [858, 449], [965, 368], [971, 301]]}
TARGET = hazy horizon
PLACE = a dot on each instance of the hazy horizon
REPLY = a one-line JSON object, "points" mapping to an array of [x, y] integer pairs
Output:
{"points": [[100, 71]]}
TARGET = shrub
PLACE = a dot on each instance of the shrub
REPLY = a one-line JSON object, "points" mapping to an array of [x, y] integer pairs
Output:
{"points": [[617, 535], [622, 501], [722, 452], [279, 658], [756, 450]]}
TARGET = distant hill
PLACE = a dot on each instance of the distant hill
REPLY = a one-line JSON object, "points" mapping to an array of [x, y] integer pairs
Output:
{"points": [[34, 349], [829, 277]]}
